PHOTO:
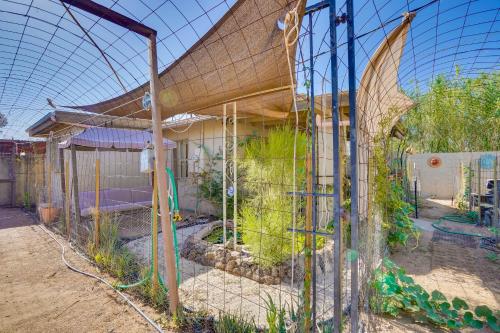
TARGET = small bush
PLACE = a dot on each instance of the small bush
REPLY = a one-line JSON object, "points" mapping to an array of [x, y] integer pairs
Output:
{"points": [[266, 213], [265, 230]]}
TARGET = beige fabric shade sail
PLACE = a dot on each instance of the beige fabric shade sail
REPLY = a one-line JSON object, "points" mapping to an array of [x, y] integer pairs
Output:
{"points": [[380, 104], [242, 57]]}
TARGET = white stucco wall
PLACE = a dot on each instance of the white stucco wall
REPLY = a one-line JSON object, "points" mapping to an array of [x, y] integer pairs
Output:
{"points": [[445, 181]]}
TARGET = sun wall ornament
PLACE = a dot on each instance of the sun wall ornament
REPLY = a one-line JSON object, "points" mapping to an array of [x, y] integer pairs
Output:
{"points": [[3, 120], [434, 162]]}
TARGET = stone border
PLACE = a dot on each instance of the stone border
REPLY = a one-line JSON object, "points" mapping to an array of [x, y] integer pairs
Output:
{"points": [[240, 262]]}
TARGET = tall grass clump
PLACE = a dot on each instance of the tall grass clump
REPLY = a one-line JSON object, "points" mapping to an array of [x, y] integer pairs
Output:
{"points": [[232, 323], [266, 211], [110, 254]]}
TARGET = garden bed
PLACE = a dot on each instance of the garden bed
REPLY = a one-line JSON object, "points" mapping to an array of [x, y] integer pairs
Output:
{"points": [[204, 248]]}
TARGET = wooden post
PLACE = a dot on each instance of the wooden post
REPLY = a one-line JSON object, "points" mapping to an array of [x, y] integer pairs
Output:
{"points": [[308, 245], [74, 176], [154, 236], [160, 163], [67, 199], [49, 180], [235, 176], [224, 179], [62, 177], [12, 171], [97, 226]]}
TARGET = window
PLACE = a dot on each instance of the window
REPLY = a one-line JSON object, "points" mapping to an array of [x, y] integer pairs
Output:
{"points": [[181, 159]]}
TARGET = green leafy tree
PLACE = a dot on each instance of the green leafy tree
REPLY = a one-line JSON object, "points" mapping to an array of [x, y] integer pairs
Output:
{"points": [[455, 115]]}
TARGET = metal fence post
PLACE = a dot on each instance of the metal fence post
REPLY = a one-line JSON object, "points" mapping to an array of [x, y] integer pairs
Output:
{"points": [[351, 61], [313, 169], [337, 270]]}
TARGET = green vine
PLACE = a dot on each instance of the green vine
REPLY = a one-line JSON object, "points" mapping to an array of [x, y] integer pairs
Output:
{"points": [[210, 182], [389, 193], [396, 293], [398, 223]]}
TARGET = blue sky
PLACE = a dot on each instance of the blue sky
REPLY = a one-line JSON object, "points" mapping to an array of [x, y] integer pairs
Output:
{"points": [[44, 55]]}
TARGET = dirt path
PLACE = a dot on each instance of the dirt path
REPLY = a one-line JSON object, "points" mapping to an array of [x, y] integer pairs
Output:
{"points": [[454, 266], [39, 294]]}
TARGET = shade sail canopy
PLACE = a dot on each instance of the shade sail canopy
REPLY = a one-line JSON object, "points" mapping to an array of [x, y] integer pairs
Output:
{"points": [[243, 57], [113, 138], [380, 104]]}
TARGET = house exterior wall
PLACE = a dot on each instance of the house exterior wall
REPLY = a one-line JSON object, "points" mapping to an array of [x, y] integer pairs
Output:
{"points": [[207, 134]]}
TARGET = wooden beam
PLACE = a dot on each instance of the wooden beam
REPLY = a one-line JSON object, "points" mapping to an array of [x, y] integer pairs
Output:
{"points": [[74, 176], [155, 233], [67, 199], [161, 163], [97, 202], [112, 16]]}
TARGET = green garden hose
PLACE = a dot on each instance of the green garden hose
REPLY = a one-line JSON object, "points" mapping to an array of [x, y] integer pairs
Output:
{"points": [[457, 218], [174, 216]]}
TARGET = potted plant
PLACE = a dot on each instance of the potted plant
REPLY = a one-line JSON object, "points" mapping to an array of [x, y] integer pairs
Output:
{"points": [[48, 213]]}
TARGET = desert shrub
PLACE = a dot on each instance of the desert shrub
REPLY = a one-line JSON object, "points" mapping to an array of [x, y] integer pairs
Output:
{"points": [[266, 211]]}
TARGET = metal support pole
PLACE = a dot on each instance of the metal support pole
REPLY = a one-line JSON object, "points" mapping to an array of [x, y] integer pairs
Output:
{"points": [[337, 266], [415, 194], [470, 186], [224, 175], [308, 246], [160, 163], [480, 222], [313, 170], [496, 223], [235, 176], [351, 62]]}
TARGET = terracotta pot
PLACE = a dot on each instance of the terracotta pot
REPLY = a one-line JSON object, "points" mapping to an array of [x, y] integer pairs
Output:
{"points": [[48, 214]]}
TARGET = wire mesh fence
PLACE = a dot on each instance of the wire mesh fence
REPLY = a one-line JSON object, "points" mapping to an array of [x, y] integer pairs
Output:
{"points": [[285, 153]]}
